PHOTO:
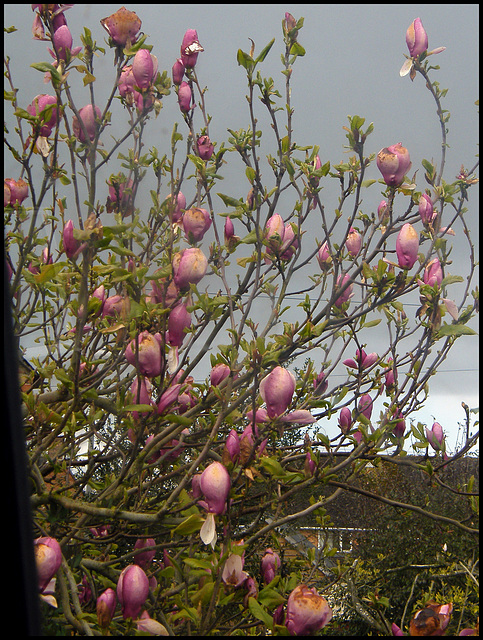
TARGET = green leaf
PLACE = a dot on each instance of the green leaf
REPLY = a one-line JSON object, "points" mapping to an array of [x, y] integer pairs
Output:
{"points": [[229, 201], [192, 524], [259, 612], [264, 52], [297, 50], [455, 330], [245, 60]]}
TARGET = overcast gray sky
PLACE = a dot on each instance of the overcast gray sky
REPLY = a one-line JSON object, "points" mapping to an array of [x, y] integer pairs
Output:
{"points": [[351, 66]]}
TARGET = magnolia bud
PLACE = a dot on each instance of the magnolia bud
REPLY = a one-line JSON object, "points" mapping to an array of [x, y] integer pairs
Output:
{"points": [[190, 48], [196, 223], [393, 162], [178, 71], [433, 273], [122, 26], [40, 103], [345, 420], [179, 320], [277, 389], [323, 257], [435, 436], [105, 607], [71, 245], [48, 558], [407, 245], [88, 116], [62, 40], [426, 209], [184, 97], [132, 590], [353, 242], [145, 558], [205, 147], [416, 38], [231, 451], [307, 611], [144, 68], [189, 267], [275, 231], [18, 190], [382, 212], [365, 405], [219, 373], [149, 357], [341, 281], [215, 485], [270, 565]]}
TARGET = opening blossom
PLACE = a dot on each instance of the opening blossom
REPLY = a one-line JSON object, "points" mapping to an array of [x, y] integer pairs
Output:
{"points": [[122, 26], [417, 42], [307, 611], [393, 162]]}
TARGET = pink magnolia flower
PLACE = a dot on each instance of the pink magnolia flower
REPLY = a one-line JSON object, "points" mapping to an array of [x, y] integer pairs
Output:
{"points": [[196, 223], [348, 292], [435, 436], [417, 42], [48, 558], [38, 105], [215, 484], [426, 209], [290, 243], [407, 246], [345, 420], [144, 68], [18, 190], [62, 41], [353, 242], [105, 607], [88, 117], [233, 574], [190, 48], [149, 357], [122, 26], [362, 360], [393, 162], [148, 625], [205, 147], [433, 273], [277, 389], [275, 231], [416, 38], [323, 257], [189, 267], [132, 590], [178, 321], [184, 97], [71, 245], [365, 405], [218, 373], [178, 71], [270, 565], [307, 611], [144, 558]]}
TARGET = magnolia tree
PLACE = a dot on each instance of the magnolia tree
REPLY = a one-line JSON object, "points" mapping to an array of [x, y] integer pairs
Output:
{"points": [[171, 422]]}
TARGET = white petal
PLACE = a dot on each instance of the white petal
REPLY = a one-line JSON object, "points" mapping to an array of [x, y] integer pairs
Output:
{"points": [[406, 68], [208, 530]]}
